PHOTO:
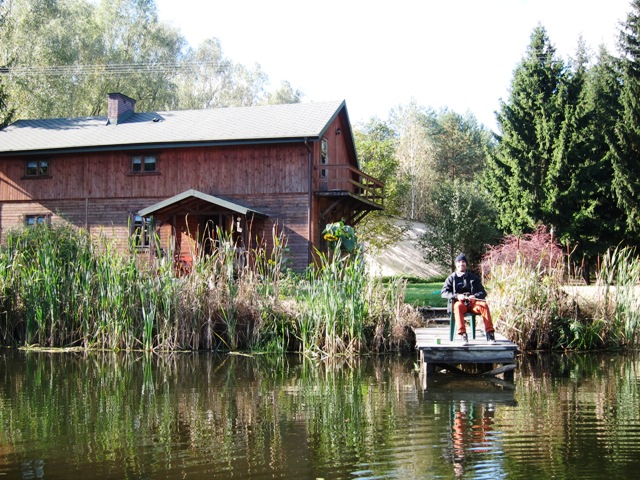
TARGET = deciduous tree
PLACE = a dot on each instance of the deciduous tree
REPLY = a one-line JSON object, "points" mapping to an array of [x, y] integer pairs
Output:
{"points": [[459, 218], [6, 112], [64, 56], [283, 94], [376, 148], [415, 155]]}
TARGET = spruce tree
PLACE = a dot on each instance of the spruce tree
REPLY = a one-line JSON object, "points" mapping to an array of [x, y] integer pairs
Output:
{"points": [[530, 121], [626, 145], [581, 205], [598, 222]]}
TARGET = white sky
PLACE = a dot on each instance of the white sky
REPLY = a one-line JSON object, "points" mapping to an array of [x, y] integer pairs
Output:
{"points": [[376, 54]]}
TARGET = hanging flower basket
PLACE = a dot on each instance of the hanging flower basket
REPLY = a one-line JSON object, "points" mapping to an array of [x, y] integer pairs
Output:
{"points": [[339, 232]]}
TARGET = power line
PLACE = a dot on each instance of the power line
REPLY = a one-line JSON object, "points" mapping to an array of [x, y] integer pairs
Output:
{"points": [[109, 69]]}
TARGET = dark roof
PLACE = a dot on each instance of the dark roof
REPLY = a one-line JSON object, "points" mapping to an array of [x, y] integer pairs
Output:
{"points": [[189, 196], [270, 123]]}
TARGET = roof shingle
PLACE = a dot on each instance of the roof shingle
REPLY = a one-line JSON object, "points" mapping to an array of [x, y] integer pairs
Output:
{"points": [[246, 124]]}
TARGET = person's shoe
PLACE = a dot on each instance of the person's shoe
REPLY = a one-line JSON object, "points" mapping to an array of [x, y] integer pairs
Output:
{"points": [[465, 339], [491, 338]]}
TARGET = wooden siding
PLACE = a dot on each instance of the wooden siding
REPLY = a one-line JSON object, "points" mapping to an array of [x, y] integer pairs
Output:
{"points": [[264, 169], [111, 217], [107, 216], [97, 190]]}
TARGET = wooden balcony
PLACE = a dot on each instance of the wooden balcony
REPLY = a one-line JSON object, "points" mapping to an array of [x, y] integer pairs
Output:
{"points": [[346, 193]]}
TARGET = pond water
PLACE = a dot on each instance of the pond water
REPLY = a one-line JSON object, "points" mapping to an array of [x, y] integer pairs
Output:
{"points": [[196, 416]]}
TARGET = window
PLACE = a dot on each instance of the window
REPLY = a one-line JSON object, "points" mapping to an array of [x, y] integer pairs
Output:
{"points": [[140, 231], [38, 219], [324, 156], [143, 164], [37, 168]]}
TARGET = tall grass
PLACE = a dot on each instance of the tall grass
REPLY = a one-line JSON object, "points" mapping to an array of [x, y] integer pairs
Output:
{"points": [[525, 278], [619, 295], [526, 302], [60, 286], [333, 295], [346, 311]]}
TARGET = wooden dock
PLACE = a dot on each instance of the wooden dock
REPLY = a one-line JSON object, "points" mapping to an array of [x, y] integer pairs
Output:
{"points": [[435, 349]]}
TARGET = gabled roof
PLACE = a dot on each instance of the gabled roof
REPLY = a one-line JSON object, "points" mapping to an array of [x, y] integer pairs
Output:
{"points": [[262, 124], [189, 196]]}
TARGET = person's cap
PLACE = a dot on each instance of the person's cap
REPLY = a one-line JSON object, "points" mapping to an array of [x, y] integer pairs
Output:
{"points": [[461, 257]]}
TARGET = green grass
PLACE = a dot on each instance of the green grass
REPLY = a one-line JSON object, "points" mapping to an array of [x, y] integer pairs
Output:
{"points": [[425, 294]]}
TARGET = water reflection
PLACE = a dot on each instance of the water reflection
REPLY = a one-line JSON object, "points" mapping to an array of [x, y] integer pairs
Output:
{"points": [[472, 426], [471, 405], [105, 415]]}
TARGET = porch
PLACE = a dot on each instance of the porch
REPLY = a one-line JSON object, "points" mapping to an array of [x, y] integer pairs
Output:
{"points": [[346, 193], [187, 224]]}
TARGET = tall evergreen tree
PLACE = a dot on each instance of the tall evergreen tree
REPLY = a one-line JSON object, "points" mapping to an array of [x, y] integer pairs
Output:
{"points": [[580, 202], [560, 198], [626, 147], [597, 222], [530, 122]]}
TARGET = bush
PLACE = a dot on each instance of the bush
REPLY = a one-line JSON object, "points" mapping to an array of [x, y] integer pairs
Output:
{"points": [[524, 276]]}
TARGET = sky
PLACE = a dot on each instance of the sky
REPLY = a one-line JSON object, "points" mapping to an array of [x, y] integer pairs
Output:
{"points": [[376, 55]]}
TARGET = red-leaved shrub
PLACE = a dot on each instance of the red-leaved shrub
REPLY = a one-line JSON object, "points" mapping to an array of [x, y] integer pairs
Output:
{"points": [[536, 250]]}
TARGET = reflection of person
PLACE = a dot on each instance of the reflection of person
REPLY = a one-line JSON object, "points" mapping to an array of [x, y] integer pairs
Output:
{"points": [[465, 293], [469, 432], [458, 435]]}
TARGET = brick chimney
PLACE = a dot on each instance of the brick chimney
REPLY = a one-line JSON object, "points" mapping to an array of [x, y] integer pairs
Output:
{"points": [[119, 108]]}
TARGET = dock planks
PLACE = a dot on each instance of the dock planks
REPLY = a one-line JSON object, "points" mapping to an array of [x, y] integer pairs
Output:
{"points": [[435, 348]]}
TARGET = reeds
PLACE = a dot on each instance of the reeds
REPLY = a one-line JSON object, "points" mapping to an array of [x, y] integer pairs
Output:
{"points": [[335, 307], [618, 299], [524, 278], [526, 302], [59, 286], [530, 305]]}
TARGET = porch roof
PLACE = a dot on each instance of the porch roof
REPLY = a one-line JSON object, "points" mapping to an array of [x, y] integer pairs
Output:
{"points": [[188, 197]]}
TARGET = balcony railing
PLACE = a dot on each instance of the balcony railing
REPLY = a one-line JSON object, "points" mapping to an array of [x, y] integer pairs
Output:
{"points": [[341, 179]]}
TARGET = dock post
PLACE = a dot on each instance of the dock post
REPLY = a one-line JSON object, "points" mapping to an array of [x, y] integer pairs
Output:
{"points": [[423, 370], [426, 369]]}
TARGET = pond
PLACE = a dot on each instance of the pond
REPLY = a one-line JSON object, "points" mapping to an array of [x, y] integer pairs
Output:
{"points": [[196, 416]]}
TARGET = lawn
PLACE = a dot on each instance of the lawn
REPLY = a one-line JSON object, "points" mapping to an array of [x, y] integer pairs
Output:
{"points": [[425, 294]]}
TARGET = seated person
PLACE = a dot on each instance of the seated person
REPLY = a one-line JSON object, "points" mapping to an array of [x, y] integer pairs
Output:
{"points": [[465, 293]]}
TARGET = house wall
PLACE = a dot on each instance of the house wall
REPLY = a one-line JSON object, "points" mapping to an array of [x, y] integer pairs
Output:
{"points": [[98, 190], [338, 136]]}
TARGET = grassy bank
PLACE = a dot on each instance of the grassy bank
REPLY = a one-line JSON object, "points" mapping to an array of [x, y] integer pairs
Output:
{"points": [[61, 287], [425, 294]]}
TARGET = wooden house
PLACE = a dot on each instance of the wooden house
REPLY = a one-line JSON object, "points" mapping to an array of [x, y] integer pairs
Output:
{"points": [[177, 175]]}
